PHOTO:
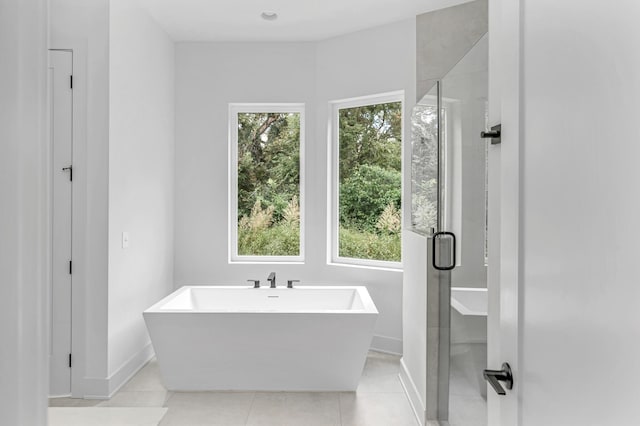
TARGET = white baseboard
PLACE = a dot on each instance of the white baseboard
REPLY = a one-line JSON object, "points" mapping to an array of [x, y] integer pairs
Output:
{"points": [[412, 393], [129, 369], [105, 388], [386, 344], [95, 388]]}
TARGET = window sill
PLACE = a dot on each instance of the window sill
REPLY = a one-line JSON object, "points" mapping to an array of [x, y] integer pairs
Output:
{"points": [[347, 264], [266, 262]]}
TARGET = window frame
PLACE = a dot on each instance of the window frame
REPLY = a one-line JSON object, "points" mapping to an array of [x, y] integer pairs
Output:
{"points": [[333, 170], [232, 201]]}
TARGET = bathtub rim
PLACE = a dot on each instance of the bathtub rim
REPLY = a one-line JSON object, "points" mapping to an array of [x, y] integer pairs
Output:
{"points": [[363, 293], [461, 308]]}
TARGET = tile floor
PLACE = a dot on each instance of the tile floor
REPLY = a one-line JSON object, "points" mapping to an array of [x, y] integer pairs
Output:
{"points": [[379, 401], [105, 416], [467, 404]]}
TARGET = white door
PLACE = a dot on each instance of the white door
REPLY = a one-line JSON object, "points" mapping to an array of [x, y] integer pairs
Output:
{"points": [[570, 209], [60, 71]]}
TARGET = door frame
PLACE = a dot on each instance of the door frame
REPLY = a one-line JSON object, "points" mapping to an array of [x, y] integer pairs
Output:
{"points": [[505, 213], [50, 214], [78, 213]]}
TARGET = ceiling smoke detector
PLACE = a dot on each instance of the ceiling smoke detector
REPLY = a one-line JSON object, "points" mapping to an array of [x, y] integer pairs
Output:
{"points": [[268, 15]]}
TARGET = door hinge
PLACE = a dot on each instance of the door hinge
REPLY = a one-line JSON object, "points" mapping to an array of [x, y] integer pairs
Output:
{"points": [[69, 360], [71, 81], [70, 268]]}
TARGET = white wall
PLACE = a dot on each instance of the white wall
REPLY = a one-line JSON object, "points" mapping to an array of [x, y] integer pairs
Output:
{"points": [[351, 66], [23, 213], [208, 77], [83, 26], [141, 181], [414, 326], [211, 75]]}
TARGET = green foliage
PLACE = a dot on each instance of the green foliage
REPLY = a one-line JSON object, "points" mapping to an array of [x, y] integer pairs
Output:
{"points": [[268, 161], [367, 245], [365, 194], [278, 240], [259, 236], [370, 181], [370, 134], [269, 176]]}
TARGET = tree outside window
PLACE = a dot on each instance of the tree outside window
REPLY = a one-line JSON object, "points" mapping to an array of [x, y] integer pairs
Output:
{"points": [[370, 181], [267, 151]]}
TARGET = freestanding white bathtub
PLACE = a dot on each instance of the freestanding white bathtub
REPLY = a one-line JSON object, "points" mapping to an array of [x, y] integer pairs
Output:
{"points": [[238, 338]]}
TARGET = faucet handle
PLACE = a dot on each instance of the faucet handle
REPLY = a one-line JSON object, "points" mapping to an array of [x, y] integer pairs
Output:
{"points": [[256, 283], [290, 283]]}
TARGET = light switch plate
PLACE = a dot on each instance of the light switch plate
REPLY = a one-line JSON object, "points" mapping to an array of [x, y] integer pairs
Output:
{"points": [[125, 240]]}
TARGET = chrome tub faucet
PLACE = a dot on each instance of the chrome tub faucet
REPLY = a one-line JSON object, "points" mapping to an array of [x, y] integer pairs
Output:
{"points": [[272, 280]]}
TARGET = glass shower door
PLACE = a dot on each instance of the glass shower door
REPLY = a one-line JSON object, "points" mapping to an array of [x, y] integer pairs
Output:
{"points": [[464, 93], [449, 207]]}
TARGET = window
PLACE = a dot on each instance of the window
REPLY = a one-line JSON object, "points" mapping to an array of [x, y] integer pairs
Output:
{"points": [[367, 180], [266, 175]]}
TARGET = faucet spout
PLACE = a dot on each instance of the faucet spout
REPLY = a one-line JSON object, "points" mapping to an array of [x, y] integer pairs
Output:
{"points": [[272, 280]]}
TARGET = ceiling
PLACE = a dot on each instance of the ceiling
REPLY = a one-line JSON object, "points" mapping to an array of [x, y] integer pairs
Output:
{"points": [[298, 20]]}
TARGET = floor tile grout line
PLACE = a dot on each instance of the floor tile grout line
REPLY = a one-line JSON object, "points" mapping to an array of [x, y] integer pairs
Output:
{"points": [[340, 408]]}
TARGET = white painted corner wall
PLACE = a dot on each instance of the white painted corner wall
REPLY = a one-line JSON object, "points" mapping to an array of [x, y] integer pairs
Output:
{"points": [[141, 180], [209, 76], [413, 366]]}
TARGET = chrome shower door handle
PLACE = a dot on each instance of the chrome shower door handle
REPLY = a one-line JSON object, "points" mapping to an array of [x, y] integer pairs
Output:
{"points": [[494, 377], [453, 250]]}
